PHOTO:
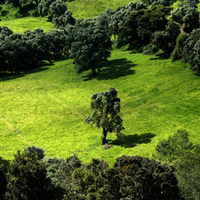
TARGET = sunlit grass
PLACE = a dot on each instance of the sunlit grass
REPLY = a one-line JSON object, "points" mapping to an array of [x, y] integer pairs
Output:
{"points": [[92, 8], [19, 25], [47, 107]]}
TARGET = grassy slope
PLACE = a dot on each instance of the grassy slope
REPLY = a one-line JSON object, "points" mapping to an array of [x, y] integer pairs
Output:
{"points": [[46, 108]]}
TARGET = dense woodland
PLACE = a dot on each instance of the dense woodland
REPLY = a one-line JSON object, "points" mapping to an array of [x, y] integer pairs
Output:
{"points": [[148, 27]]}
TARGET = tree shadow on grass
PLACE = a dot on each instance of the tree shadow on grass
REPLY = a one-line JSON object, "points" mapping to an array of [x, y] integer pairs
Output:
{"points": [[113, 69], [133, 140], [4, 164], [161, 56], [8, 76], [24, 12]]}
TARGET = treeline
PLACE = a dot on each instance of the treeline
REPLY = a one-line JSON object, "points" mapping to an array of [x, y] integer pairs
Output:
{"points": [[23, 52], [148, 27], [32, 176]]}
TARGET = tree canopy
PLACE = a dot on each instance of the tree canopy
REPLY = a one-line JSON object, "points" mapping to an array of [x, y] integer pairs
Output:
{"points": [[90, 44], [106, 107]]}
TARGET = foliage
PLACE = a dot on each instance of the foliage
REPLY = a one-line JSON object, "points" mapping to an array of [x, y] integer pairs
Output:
{"points": [[178, 50], [121, 14], [58, 43], [165, 40], [174, 147], [96, 181], [34, 152], [15, 3], [146, 179], [187, 172], [27, 179], [184, 155], [106, 107], [57, 8], [43, 7], [22, 52], [190, 50], [3, 183], [142, 24], [63, 20], [64, 177], [5, 31], [157, 2], [90, 44], [52, 166], [188, 17]]}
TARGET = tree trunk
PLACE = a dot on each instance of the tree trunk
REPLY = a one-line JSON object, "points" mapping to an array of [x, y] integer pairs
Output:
{"points": [[94, 73], [104, 141]]}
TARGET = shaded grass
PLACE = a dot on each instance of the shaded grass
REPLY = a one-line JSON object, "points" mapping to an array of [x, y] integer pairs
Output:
{"points": [[47, 107]]}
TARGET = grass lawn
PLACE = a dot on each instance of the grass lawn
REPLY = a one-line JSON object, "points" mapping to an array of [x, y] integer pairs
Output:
{"points": [[46, 107]]}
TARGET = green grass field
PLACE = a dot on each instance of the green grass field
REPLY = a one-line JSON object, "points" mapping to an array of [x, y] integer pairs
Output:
{"points": [[47, 107]]}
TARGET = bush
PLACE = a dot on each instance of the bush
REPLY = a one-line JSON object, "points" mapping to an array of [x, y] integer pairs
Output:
{"points": [[146, 179], [27, 180], [178, 50]]}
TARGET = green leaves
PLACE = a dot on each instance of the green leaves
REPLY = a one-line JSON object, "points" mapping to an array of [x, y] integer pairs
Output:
{"points": [[90, 44], [106, 107]]}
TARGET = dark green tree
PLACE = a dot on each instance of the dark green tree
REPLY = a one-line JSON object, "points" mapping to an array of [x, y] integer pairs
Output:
{"points": [[63, 20], [141, 24], [5, 31], [13, 51], [53, 166], [58, 43], [96, 181], [43, 7], [90, 44], [39, 47], [64, 178], [187, 17], [146, 179], [188, 174], [106, 108], [34, 152], [174, 147], [190, 50], [177, 53], [184, 156], [57, 8], [166, 39], [121, 15], [3, 183], [14, 3], [27, 179]]}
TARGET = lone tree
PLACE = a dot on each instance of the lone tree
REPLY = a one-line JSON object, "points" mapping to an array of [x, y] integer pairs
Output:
{"points": [[106, 106]]}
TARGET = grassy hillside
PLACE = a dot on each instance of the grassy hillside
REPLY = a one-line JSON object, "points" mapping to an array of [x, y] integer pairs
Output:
{"points": [[47, 107]]}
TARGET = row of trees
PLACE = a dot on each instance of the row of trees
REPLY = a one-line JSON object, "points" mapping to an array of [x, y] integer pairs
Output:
{"points": [[31, 176], [88, 41], [23, 52]]}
